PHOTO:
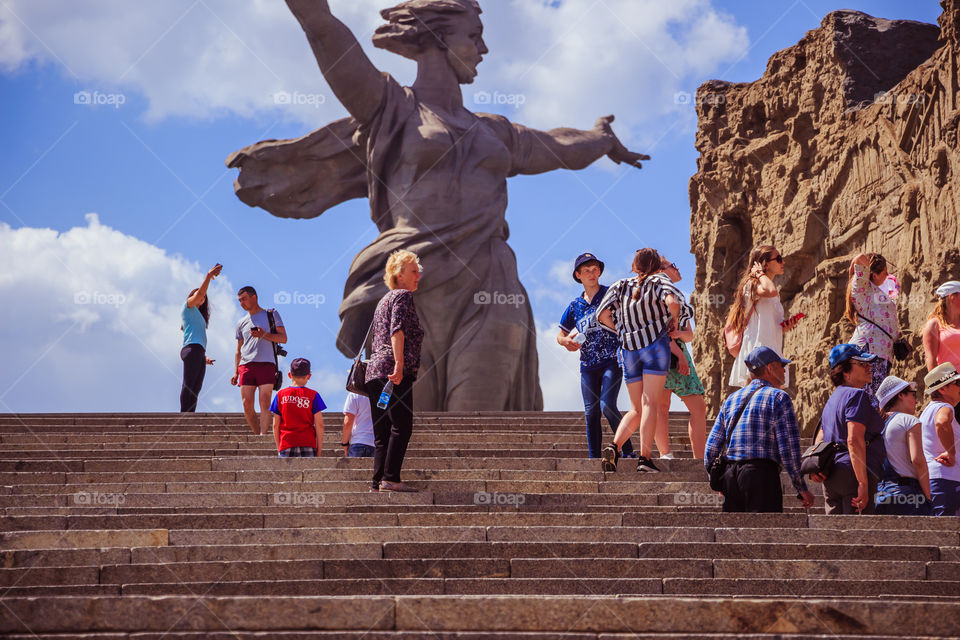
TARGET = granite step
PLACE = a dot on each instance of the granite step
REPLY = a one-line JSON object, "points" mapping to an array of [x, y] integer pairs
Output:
{"points": [[567, 614]]}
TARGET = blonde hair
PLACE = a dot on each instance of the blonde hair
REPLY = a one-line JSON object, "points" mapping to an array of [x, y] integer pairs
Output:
{"points": [[395, 264]]}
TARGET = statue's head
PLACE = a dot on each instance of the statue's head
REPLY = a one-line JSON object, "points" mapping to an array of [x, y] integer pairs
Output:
{"points": [[453, 26]]}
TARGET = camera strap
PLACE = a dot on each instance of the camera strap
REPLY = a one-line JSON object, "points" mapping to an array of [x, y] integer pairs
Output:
{"points": [[273, 329]]}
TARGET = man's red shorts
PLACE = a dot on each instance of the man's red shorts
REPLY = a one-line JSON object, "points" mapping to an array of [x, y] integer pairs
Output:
{"points": [[257, 373]]}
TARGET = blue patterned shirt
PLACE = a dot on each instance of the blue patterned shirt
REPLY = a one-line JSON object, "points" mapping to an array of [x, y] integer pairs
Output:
{"points": [[600, 348], [767, 429]]}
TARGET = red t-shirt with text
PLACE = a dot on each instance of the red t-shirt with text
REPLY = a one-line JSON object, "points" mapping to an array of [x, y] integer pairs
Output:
{"points": [[296, 407]]}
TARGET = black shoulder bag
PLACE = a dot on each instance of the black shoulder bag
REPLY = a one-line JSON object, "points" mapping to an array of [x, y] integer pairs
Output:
{"points": [[277, 350], [901, 348], [357, 378], [819, 458], [719, 465]]}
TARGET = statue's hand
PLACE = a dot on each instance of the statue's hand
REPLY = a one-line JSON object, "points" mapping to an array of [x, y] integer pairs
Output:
{"points": [[304, 10], [619, 153]]}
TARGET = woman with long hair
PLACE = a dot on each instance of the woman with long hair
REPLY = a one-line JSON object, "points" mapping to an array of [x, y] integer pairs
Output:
{"points": [[643, 310], [941, 334], [195, 318], [874, 314], [757, 312]]}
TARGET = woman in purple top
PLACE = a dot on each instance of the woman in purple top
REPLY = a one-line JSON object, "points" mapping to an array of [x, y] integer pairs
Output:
{"points": [[394, 357]]}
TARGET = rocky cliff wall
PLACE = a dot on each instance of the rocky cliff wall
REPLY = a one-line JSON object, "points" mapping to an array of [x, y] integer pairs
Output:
{"points": [[847, 144]]}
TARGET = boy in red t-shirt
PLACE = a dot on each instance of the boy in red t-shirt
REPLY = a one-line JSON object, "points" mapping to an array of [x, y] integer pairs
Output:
{"points": [[297, 421]]}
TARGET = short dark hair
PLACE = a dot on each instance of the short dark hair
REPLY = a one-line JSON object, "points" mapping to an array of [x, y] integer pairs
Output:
{"points": [[247, 290], [838, 372]]}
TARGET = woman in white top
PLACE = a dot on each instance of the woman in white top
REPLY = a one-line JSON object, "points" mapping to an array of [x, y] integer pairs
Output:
{"points": [[757, 311], [941, 433], [874, 314], [904, 488]]}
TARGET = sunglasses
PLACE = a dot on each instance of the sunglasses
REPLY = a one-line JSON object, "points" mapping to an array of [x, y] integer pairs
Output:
{"points": [[672, 265], [777, 259]]}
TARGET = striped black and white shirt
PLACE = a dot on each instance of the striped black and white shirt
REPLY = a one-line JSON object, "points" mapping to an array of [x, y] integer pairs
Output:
{"points": [[640, 322]]}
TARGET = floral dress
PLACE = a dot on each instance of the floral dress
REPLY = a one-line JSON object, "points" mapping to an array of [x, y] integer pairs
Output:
{"points": [[872, 302]]}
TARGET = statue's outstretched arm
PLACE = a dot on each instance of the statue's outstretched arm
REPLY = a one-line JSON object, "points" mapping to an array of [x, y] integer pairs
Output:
{"points": [[356, 82], [576, 149]]}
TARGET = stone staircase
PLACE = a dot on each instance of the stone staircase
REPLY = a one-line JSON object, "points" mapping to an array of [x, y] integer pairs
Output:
{"points": [[157, 526]]}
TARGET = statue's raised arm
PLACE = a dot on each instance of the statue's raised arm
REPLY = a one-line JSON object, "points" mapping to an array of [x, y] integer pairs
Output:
{"points": [[357, 84]]}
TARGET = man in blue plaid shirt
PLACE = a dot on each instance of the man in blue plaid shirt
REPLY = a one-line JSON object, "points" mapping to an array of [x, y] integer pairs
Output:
{"points": [[765, 437]]}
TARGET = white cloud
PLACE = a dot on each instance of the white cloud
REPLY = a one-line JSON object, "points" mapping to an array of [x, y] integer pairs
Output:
{"points": [[571, 61], [92, 323]]}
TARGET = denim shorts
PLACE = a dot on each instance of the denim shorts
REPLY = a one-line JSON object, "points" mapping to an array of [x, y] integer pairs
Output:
{"points": [[652, 360]]}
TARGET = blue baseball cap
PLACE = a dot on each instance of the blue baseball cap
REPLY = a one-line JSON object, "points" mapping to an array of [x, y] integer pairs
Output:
{"points": [[582, 259], [761, 357], [843, 352]]}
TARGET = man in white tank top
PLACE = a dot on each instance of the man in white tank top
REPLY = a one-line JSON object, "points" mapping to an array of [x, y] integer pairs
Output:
{"points": [[941, 433]]}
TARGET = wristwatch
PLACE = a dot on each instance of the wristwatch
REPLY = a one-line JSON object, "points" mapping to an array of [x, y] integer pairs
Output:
{"points": [[344, 444]]}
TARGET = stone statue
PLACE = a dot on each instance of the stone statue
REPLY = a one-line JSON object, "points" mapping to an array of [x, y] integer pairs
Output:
{"points": [[436, 176]]}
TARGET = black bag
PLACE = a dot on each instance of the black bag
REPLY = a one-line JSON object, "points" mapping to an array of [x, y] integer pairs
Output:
{"points": [[819, 458], [357, 377], [719, 465], [278, 375], [901, 348]]}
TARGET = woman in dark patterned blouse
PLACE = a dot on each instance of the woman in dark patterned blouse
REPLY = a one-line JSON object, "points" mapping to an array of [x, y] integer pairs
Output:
{"points": [[395, 356]]}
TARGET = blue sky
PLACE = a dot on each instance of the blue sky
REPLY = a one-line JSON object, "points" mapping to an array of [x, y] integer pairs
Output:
{"points": [[93, 319]]}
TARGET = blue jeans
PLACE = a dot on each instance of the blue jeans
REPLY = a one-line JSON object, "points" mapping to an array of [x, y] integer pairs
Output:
{"points": [[600, 388], [901, 498], [360, 451], [945, 496]]}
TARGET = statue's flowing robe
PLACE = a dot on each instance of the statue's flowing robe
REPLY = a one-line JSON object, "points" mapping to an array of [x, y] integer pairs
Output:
{"points": [[436, 188]]}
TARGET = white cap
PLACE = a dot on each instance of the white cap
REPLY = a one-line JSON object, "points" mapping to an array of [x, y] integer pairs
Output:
{"points": [[948, 288]]}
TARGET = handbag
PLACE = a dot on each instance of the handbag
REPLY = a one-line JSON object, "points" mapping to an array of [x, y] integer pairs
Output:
{"points": [[819, 458], [357, 377], [719, 465], [277, 375], [901, 348], [733, 336]]}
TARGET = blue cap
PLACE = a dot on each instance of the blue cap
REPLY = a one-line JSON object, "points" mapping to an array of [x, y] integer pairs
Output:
{"points": [[843, 352], [582, 259], [761, 357]]}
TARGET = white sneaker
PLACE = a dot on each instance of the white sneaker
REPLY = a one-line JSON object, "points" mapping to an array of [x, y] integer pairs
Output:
{"points": [[668, 456]]}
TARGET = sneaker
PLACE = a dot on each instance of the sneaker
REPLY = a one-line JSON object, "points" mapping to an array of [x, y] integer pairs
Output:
{"points": [[609, 458], [646, 465], [386, 485], [668, 456]]}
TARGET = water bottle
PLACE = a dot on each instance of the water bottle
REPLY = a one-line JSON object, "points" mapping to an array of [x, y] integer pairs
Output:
{"points": [[580, 338], [385, 395]]}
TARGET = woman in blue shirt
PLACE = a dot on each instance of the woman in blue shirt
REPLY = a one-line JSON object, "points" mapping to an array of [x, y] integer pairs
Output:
{"points": [[195, 316], [600, 372]]}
